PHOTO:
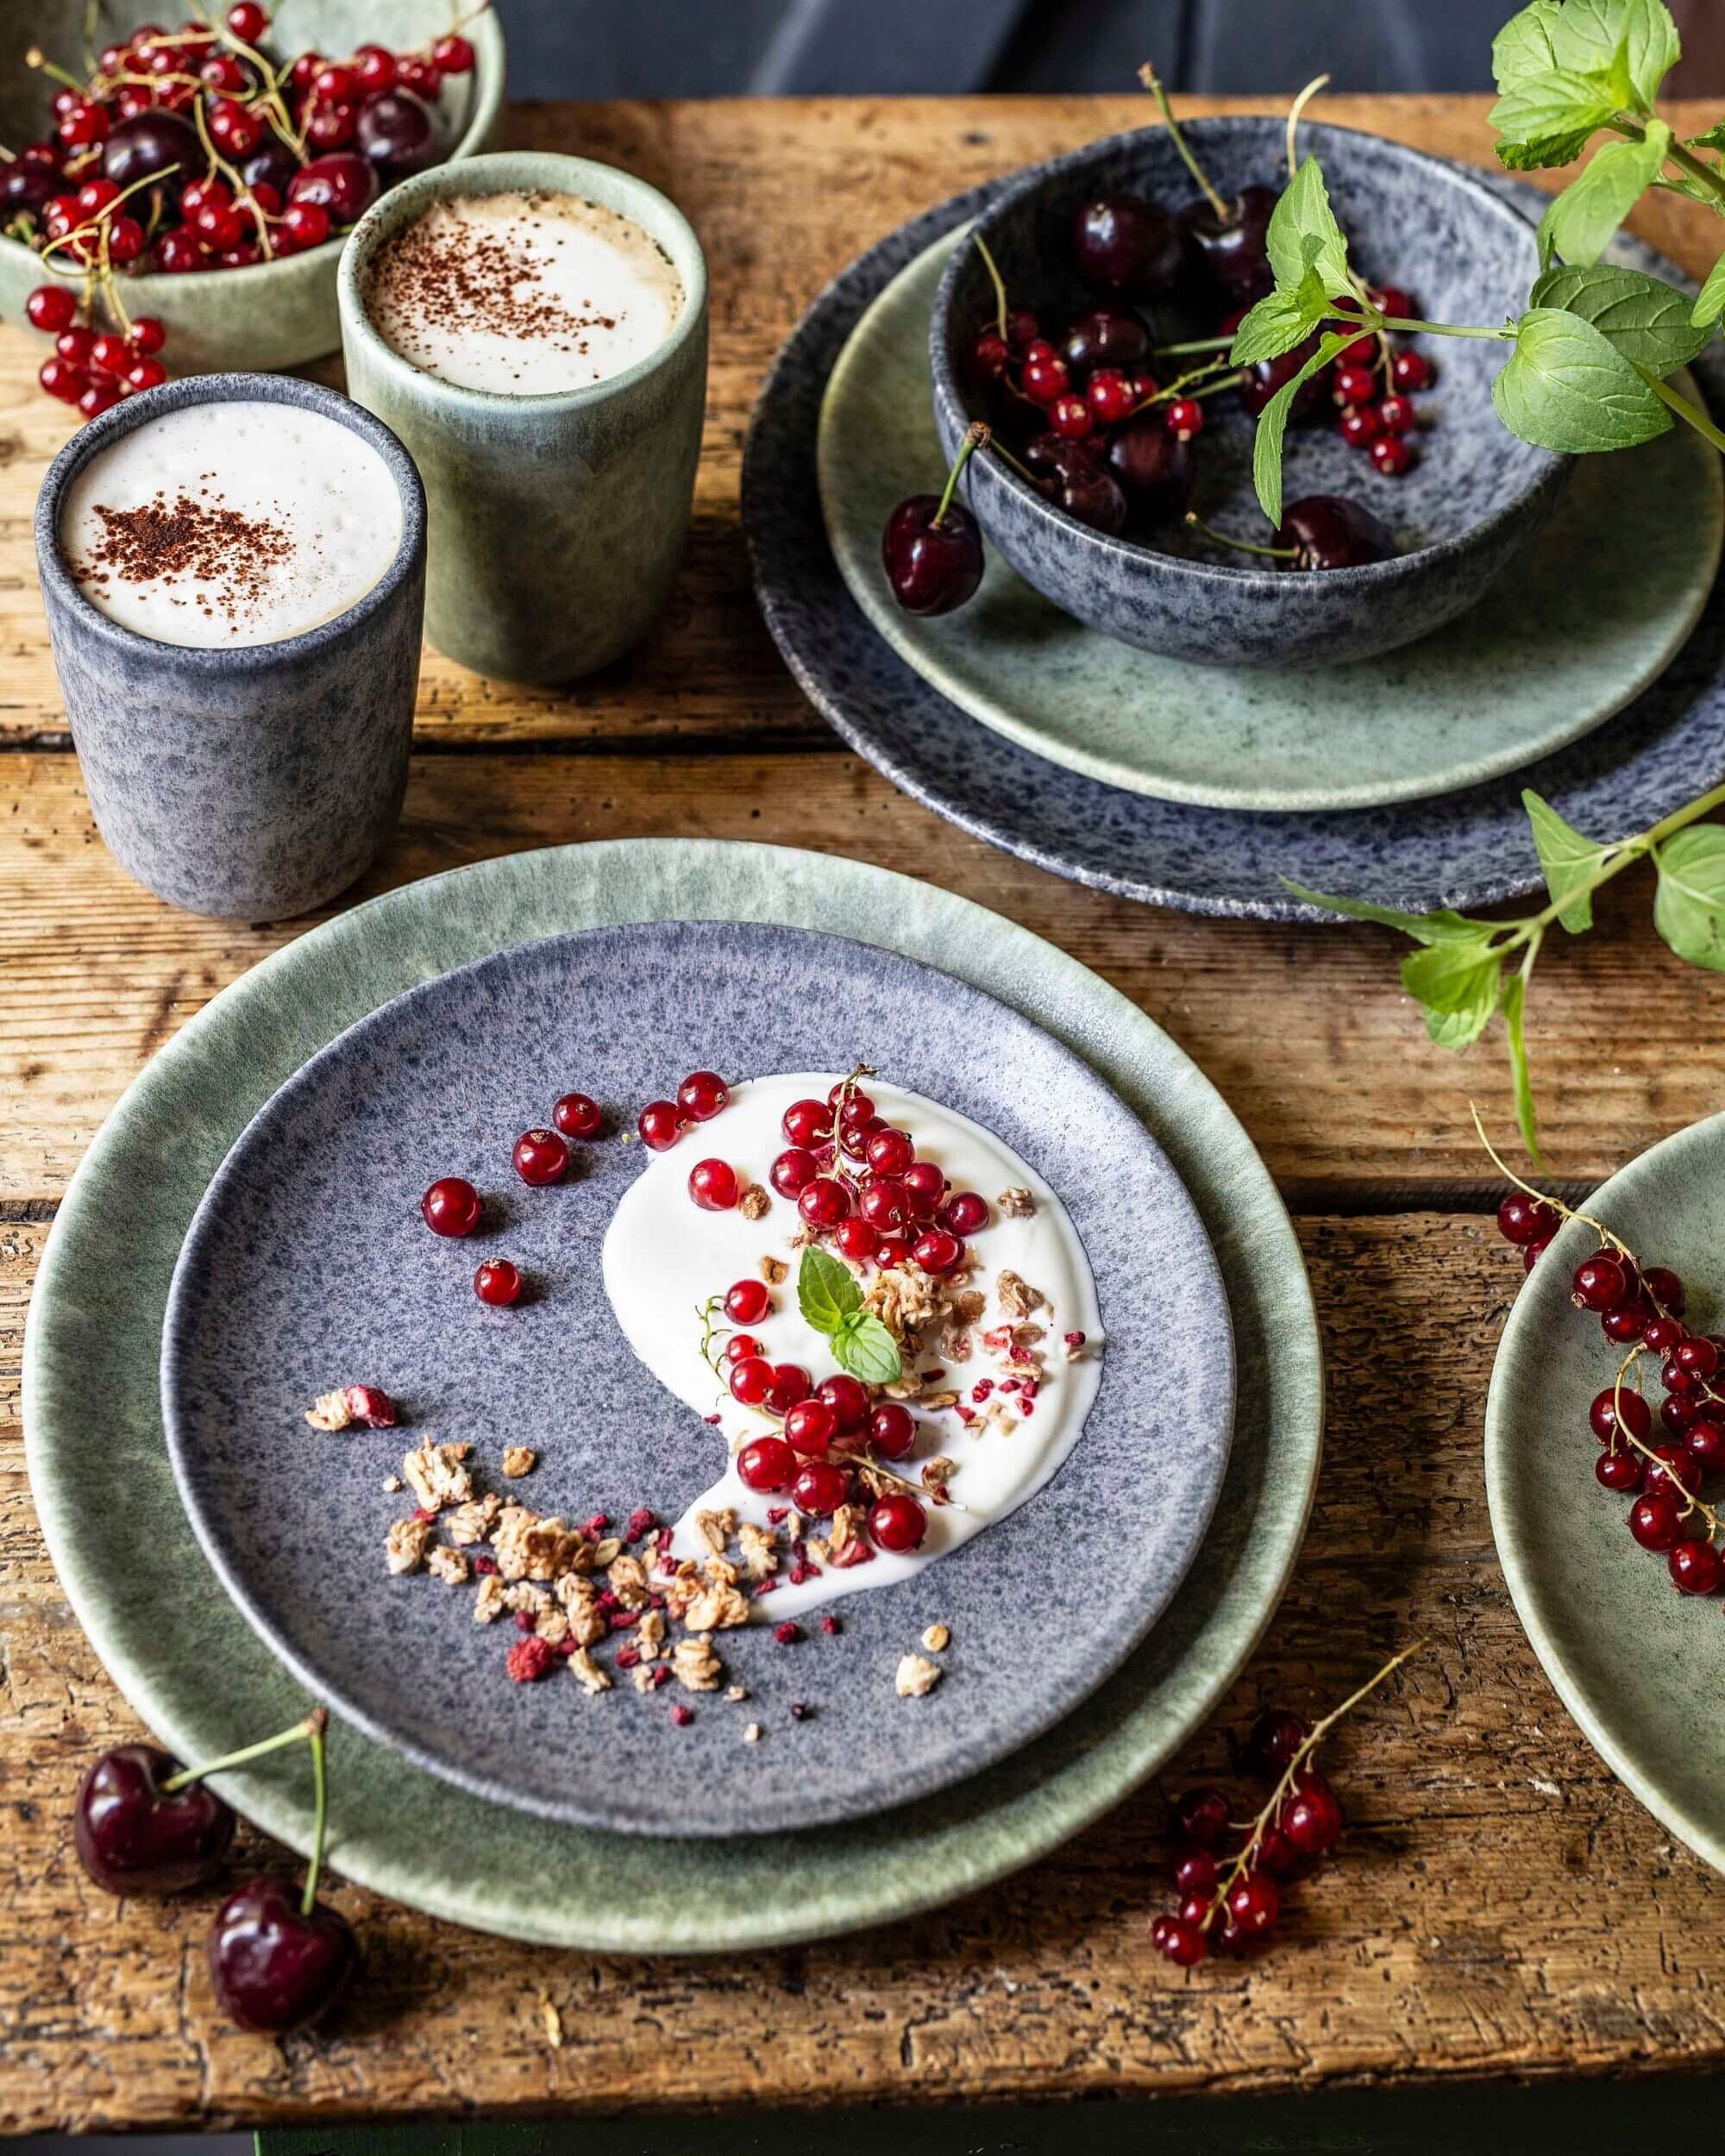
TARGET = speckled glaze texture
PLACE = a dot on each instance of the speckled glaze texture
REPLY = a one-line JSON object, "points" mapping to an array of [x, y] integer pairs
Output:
{"points": [[1625, 562], [1476, 497], [557, 522], [308, 1265], [257, 783], [194, 1669], [275, 314], [1467, 848], [1629, 1657]]}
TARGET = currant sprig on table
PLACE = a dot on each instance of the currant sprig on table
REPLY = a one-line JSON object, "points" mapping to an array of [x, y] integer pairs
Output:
{"points": [[1467, 972], [1641, 1311], [1229, 1874]]}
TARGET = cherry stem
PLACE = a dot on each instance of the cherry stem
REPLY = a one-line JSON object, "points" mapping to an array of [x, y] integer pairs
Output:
{"points": [[320, 1780], [1152, 82], [300, 1734], [1293, 111], [999, 282], [1278, 1795], [974, 440], [1241, 546], [1001, 451]]}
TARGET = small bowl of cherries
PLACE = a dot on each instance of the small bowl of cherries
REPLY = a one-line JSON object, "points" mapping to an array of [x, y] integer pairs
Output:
{"points": [[175, 197], [1085, 323]]}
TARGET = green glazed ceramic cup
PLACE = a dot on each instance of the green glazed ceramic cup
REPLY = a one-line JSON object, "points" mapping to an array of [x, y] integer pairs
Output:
{"points": [[557, 522]]}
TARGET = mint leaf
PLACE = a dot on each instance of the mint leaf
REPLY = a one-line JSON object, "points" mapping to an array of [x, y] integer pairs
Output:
{"points": [[1713, 140], [1441, 927], [1645, 319], [1688, 906], [1514, 1005], [1581, 222], [1456, 984], [1302, 234], [828, 1292], [864, 1346], [1272, 425], [1279, 322], [1568, 859], [1567, 387], [1526, 45], [1549, 119], [1710, 303], [1637, 37]]}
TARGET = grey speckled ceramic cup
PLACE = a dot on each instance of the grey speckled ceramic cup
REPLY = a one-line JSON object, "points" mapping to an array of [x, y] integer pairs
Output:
{"points": [[256, 783], [557, 521]]}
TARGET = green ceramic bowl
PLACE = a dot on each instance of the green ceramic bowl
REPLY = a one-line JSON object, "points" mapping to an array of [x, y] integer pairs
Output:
{"points": [[277, 314]]}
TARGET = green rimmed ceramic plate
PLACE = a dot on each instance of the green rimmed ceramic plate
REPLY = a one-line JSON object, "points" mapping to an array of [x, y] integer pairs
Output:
{"points": [[191, 1666], [1602, 602], [1634, 1662]]}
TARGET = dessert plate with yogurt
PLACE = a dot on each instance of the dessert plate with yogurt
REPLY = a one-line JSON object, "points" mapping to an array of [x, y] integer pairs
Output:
{"points": [[584, 1572]]}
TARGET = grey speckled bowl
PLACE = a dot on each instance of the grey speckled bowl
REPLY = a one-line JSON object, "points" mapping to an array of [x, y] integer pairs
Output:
{"points": [[1474, 499], [276, 314]]}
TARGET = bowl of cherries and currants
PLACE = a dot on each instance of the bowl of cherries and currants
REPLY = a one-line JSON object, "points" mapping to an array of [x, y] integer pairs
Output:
{"points": [[173, 198], [1084, 323]]}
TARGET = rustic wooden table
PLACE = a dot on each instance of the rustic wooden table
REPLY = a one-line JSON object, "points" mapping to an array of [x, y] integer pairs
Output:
{"points": [[1501, 1909]]}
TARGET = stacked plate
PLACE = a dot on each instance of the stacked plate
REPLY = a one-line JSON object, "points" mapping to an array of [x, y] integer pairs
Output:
{"points": [[1593, 675], [244, 1235]]}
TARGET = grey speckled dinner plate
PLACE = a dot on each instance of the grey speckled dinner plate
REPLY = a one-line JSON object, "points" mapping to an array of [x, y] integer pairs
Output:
{"points": [[1625, 563], [194, 1669], [308, 1266], [1636, 1663], [1464, 849]]}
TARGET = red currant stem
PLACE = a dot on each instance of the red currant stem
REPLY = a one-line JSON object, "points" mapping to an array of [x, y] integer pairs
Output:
{"points": [[1241, 546], [1545, 1198], [999, 284], [269, 96], [36, 57], [1686, 411], [976, 435], [1295, 110], [235, 179], [1691, 1503], [1273, 1804], [320, 1782], [299, 1734], [1152, 82]]}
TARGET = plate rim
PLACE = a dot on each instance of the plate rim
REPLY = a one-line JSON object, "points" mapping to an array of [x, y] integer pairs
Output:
{"points": [[182, 1323], [1265, 1263]]}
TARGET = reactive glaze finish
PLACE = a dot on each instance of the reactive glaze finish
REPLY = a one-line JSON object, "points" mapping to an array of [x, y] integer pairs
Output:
{"points": [[1475, 500], [557, 520], [253, 783]]}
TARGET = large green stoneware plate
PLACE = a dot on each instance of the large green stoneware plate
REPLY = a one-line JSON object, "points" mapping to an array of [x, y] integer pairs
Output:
{"points": [[1595, 609], [193, 1668], [1638, 1665]]}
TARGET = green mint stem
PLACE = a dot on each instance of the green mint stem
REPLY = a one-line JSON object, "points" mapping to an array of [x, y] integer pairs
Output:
{"points": [[1433, 328], [308, 1899], [1686, 411], [972, 440], [1626, 850], [1192, 344], [299, 1734]]}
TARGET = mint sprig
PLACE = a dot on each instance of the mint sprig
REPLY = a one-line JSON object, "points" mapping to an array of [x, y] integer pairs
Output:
{"points": [[830, 1296]]}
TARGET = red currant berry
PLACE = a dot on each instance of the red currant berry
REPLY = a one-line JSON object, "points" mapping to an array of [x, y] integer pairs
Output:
{"points": [[807, 1123], [883, 1205], [895, 1249], [937, 1251], [335, 84], [375, 68], [233, 128], [1178, 1941], [965, 1213], [1201, 1816], [858, 1241], [791, 1385], [1183, 419], [1695, 1567], [51, 308], [577, 1115], [217, 226], [702, 1095], [1195, 1872], [1653, 1522], [1254, 1903], [1628, 1411], [422, 77], [1276, 1736], [1411, 371], [713, 1185], [1619, 1472], [824, 1202], [1358, 425], [247, 20], [660, 1125], [1664, 1290], [1696, 1355], [1071, 417], [1662, 1334], [821, 1486], [890, 1152], [747, 1302], [897, 1522], [330, 127], [989, 355], [924, 1186], [454, 54], [1391, 299], [1312, 1821], [497, 1282], [1391, 455], [751, 1380], [1355, 385], [75, 345], [1598, 1284], [1678, 1414], [1109, 395], [892, 1430], [810, 1426], [849, 1402], [1622, 1327], [143, 374], [303, 225], [95, 195], [541, 1157], [451, 1206], [794, 1171], [767, 1463], [125, 239], [83, 124], [740, 1346], [1045, 381], [1676, 1379], [59, 377], [1704, 1442], [108, 356], [1398, 414], [1670, 1472], [857, 1109]]}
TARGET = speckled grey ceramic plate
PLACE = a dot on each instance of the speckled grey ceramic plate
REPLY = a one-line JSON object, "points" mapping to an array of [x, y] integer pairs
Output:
{"points": [[1462, 849], [1625, 562], [1635, 1662], [192, 1667], [308, 1266]]}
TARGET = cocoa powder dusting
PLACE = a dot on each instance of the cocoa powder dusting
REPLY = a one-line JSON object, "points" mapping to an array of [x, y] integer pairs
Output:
{"points": [[441, 268], [227, 554]]}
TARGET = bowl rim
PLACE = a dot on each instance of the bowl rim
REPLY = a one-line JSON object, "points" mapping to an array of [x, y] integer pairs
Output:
{"points": [[60, 588], [983, 472], [483, 32]]}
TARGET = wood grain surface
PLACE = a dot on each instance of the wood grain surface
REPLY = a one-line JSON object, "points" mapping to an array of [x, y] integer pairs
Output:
{"points": [[1501, 1908]]}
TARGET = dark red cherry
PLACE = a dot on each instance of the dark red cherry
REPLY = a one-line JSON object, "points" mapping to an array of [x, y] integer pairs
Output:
{"points": [[1070, 476], [1126, 244], [139, 148], [344, 183], [1232, 249], [1105, 337], [933, 562], [1327, 531], [1154, 468], [133, 1837], [274, 1968], [399, 133]]}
